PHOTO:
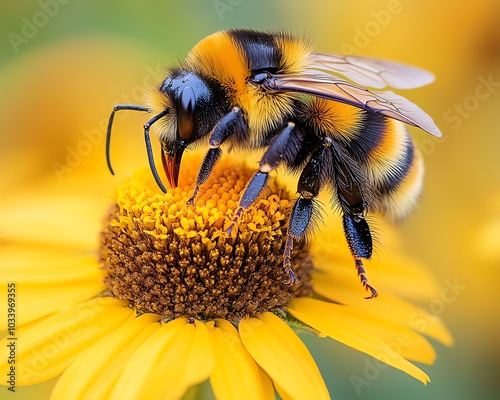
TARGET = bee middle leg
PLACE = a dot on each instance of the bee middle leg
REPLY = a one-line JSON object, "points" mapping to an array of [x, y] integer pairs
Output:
{"points": [[310, 183], [284, 147]]}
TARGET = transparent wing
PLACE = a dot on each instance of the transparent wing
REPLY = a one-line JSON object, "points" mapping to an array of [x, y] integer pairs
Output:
{"points": [[324, 85], [372, 72]]}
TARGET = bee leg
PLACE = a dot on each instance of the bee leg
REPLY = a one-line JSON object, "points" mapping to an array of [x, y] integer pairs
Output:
{"points": [[252, 191], [284, 147], [232, 123], [310, 182], [300, 218], [205, 170], [352, 193], [358, 236]]}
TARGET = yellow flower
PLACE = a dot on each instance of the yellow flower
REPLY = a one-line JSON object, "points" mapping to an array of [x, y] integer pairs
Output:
{"points": [[171, 300]]}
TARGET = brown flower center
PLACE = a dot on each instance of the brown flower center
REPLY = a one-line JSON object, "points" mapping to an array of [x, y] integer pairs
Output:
{"points": [[176, 260]]}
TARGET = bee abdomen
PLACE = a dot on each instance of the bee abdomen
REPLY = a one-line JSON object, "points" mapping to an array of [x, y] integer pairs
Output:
{"points": [[393, 166], [396, 169], [402, 195]]}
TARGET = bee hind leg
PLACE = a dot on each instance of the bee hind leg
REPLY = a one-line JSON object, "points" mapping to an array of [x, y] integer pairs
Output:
{"points": [[353, 194], [364, 279], [358, 236]]}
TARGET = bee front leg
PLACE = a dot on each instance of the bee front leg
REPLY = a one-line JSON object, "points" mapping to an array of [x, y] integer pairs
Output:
{"points": [[205, 170], [232, 123]]}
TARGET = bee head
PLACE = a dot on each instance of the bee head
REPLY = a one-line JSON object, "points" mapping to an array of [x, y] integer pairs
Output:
{"points": [[195, 104]]}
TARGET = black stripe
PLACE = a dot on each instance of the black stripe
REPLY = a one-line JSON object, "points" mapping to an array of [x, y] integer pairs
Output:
{"points": [[260, 49], [374, 131], [370, 136], [399, 170]]}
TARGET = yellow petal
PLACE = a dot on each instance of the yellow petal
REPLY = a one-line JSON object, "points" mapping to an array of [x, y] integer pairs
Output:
{"points": [[36, 301], [325, 318], [45, 264], [235, 374], [401, 339], [45, 279], [389, 271], [96, 371], [331, 239], [174, 357], [21, 221], [45, 348], [385, 306], [283, 356]]}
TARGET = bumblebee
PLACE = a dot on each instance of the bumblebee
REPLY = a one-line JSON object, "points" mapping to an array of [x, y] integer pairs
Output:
{"points": [[315, 114]]}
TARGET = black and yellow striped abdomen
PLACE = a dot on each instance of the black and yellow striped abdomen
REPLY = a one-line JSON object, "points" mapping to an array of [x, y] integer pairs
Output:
{"points": [[381, 146]]}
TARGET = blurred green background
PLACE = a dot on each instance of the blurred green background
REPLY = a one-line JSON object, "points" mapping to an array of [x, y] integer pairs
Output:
{"points": [[64, 63]]}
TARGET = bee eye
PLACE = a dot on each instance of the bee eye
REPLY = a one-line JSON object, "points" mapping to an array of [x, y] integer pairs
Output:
{"points": [[185, 113]]}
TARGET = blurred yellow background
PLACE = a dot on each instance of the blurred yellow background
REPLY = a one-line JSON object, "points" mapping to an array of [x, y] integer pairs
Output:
{"points": [[65, 63]]}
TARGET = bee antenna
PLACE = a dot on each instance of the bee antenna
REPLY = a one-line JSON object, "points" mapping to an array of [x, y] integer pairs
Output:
{"points": [[149, 150], [118, 107]]}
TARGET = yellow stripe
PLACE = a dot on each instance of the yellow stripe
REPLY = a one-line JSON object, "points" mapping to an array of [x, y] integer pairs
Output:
{"points": [[342, 121], [389, 152], [218, 56], [295, 53], [398, 204]]}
